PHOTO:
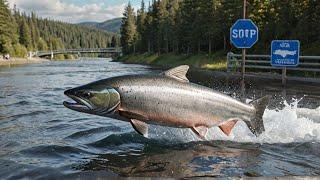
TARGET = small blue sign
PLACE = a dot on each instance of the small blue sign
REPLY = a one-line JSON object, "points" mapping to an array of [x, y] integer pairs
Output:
{"points": [[285, 52], [244, 33]]}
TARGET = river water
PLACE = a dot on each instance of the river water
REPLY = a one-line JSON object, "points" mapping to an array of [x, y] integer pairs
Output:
{"points": [[40, 138]]}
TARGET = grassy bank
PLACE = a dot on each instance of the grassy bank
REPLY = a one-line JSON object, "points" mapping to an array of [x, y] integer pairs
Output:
{"points": [[216, 61]]}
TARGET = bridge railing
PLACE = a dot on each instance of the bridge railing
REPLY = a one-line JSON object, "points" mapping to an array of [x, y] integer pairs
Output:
{"points": [[81, 50], [256, 62]]}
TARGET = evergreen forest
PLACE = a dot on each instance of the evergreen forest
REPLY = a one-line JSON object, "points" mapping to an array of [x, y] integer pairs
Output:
{"points": [[202, 26]]}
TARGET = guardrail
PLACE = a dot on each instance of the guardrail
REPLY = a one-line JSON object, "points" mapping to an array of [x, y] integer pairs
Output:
{"points": [[263, 62], [306, 63]]}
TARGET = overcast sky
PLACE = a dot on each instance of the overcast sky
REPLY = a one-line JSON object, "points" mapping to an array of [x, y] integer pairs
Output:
{"points": [[74, 11]]}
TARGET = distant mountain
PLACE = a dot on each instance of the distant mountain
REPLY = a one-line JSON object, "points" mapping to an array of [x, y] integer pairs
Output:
{"points": [[90, 24], [112, 25]]}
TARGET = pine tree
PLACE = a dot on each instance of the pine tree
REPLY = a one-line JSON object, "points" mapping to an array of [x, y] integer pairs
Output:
{"points": [[154, 26], [128, 30], [34, 30], [25, 35], [42, 45], [187, 26], [149, 30], [173, 7], [8, 29], [207, 25], [164, 23], [227, 14], [141, 27], [114, 41]]}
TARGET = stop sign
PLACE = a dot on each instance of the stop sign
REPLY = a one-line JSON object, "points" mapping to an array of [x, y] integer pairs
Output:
{"points": [[244, 33]]}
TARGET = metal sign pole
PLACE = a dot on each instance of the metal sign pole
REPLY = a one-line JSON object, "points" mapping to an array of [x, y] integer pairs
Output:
{"points": [[243, 64], [284, 76], [243, 50]]}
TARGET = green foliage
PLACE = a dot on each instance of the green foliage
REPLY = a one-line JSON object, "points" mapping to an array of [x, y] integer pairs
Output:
{"points": [[115, 41], [129, 30], [6, 45], [202, 26], [141, 27], [59, 57], [42, 44], [25, 35], [8, 28], [56, 43], [19, 51]]}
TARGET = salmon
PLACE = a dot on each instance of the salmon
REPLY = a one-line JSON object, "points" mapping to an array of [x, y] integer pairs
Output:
{"points": [[166, 99]]}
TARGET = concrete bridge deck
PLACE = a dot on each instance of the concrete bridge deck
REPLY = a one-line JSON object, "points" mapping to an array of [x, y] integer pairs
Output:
{"points": [[111, 50]]}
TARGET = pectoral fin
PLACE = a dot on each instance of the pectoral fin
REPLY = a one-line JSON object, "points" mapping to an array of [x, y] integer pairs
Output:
{"points": [[200, 131], [136, 121], [131, 115], [227, 127], [140, 126]]}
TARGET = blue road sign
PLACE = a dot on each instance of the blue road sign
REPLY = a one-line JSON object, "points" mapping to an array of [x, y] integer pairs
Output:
{"points": [[285, 52], [244, 33]]}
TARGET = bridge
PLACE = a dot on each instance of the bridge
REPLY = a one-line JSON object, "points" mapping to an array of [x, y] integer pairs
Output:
{"points": [[111, 50]]}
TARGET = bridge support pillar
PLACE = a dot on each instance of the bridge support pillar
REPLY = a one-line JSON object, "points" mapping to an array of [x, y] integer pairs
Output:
{"points": [[51, 57], [30, 54]]}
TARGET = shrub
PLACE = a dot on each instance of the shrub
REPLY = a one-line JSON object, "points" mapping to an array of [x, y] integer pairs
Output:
{"points": [[19, 51]]}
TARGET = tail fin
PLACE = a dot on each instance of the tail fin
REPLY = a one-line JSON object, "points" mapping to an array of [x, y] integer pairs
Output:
{"points": [[256, 124]]}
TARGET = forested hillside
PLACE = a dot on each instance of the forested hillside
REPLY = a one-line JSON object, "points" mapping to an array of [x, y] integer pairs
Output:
{"points": [[88, 23], [20, 33], [202, 26], [112, 25]]}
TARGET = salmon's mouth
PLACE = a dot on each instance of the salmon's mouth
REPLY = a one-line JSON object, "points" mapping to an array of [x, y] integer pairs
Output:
{"points": [[78, 105]]}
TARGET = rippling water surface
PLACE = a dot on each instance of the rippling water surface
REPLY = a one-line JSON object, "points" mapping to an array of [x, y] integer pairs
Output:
{"points": [[40, 138]]}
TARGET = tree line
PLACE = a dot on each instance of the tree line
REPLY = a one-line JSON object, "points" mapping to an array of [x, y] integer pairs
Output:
{"points": [[202, 26], [20, 33]]}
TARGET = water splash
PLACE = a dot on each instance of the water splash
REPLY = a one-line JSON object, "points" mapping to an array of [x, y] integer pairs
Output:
{"points": [[290, 124]]}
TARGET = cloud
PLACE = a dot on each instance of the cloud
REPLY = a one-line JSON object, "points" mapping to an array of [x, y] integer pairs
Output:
{"points": [[69, 12]]}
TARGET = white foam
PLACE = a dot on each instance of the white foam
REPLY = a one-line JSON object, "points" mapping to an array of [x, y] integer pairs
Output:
{"points": [[290, 124], [312, 114]]}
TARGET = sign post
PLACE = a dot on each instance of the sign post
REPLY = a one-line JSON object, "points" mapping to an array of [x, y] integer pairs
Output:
{"points": [[243, 65], [285, 53], [244, 34]]}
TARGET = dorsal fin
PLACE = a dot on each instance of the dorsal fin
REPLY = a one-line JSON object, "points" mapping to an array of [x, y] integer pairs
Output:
{"points": [[179, 73]]}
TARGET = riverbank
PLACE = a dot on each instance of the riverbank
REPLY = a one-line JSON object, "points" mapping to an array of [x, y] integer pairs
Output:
{"points": [[20, 61], [216, 61]]}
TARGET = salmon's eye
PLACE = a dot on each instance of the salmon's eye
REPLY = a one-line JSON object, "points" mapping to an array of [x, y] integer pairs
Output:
{"points": [[86, 95]]}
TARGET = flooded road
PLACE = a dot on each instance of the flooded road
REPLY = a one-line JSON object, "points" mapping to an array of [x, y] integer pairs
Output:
{"points": [[40, 138]]}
